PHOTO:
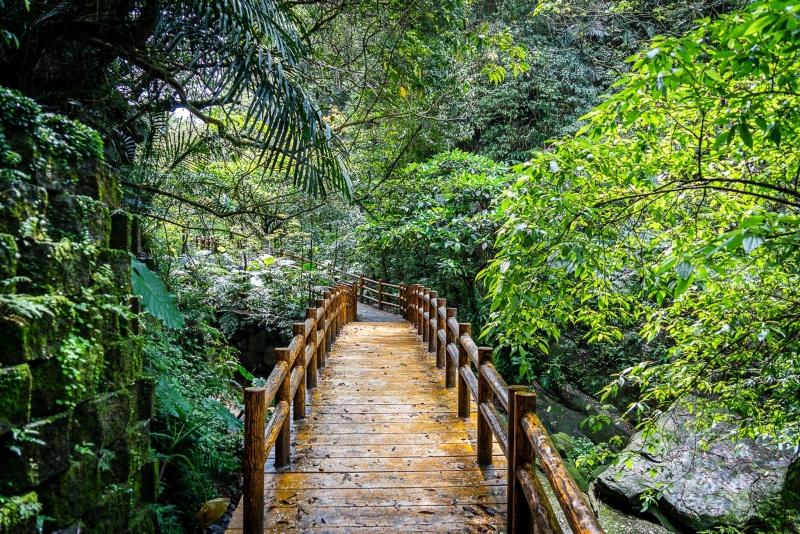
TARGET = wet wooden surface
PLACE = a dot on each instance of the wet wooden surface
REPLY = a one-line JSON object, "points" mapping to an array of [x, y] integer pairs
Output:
{"points": [[382, 448]]}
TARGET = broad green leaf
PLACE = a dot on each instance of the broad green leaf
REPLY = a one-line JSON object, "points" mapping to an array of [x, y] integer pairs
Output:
{"points": [[156, 299]]}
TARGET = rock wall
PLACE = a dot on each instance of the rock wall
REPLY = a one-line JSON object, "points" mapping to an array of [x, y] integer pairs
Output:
{"points": [[74, 408]]}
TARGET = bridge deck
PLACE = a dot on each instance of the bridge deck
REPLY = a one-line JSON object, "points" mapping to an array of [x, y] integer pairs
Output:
{"points": [[382, 448]]}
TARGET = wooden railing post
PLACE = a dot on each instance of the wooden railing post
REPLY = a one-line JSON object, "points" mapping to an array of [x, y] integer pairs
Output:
{"points": [[321, 335], [441, 324], [410, 300], [361, 287], [432, 316], [328, 319], [352, 298], [284, 393], [484, 395], [334, 315], [450, 368], [380, 294], [343, 307], [425, 307], [255, 454], [463, 361], [520, 402], [299, 329], [416, 300], [420, 304], [311, 371]]}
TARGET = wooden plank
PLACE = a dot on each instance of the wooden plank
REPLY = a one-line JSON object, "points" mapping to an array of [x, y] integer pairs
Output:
{"points": [[430, 464], [398, 481], [387, 450], [389, 497], [381, 517], [371, 417]]}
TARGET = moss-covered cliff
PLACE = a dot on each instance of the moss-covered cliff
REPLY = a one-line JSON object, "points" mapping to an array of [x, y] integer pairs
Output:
{"points": [[74, 408]]}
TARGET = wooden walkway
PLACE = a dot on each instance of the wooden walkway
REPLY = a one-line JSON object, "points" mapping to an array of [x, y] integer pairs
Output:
{"points": [[382, 448]]}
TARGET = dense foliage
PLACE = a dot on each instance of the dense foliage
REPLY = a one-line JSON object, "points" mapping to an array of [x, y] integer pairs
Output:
{"points": [[673, 213], [435, 226]]}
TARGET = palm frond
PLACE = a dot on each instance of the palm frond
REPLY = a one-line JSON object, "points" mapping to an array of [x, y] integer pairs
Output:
{"points": [[234, 52]]}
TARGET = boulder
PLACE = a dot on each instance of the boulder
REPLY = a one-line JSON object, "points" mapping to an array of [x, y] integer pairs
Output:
{"points": [[705, 480]]}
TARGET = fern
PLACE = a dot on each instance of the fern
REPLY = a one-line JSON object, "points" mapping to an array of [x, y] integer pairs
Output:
{"points": [[157, 300], [20, 309]]}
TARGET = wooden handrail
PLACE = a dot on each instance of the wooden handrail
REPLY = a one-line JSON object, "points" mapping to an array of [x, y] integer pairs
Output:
{"points": [[523, 439], [295, 370], [569, 496]]}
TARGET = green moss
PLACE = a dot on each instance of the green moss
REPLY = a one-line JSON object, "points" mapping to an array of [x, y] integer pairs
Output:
{"points": [[112, 512], [32, 141], [8, 257], [55, 267], [564, 443], [74, 374], [576, 475], [67, 497], [121, 230], [119, 262], [31, 338], [123, 361], [79, 218], [35, 453], [22, 209], [18, 514], [104, 419], [15, 396]]}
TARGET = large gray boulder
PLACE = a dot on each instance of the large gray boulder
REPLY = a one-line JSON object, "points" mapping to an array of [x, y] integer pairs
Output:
{"points": [[705, 481]]}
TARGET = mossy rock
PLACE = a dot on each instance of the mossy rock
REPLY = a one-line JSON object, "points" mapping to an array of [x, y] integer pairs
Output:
{"points": [[18, 513], [22, 208], [142, 522], [145, 398], [125, 457], [8, 258], [564, 443], [37, 338], [73, 375], [580, 480], [40, 455], [112, 512], [79, 218], [123, 362], [15, 396], [103, 419], [121, 231], [120, 263], [61, 268], [89, 177], [138, 447], [69, 495]]}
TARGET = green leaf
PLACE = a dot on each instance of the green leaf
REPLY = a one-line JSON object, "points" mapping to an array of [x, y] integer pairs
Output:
{"points": [[684, 269], [744, 133], [156, 299], [774, 134]]}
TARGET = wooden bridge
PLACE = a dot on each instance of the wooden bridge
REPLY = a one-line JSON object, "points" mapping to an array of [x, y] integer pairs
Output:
{"points": [[397, 426]]}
